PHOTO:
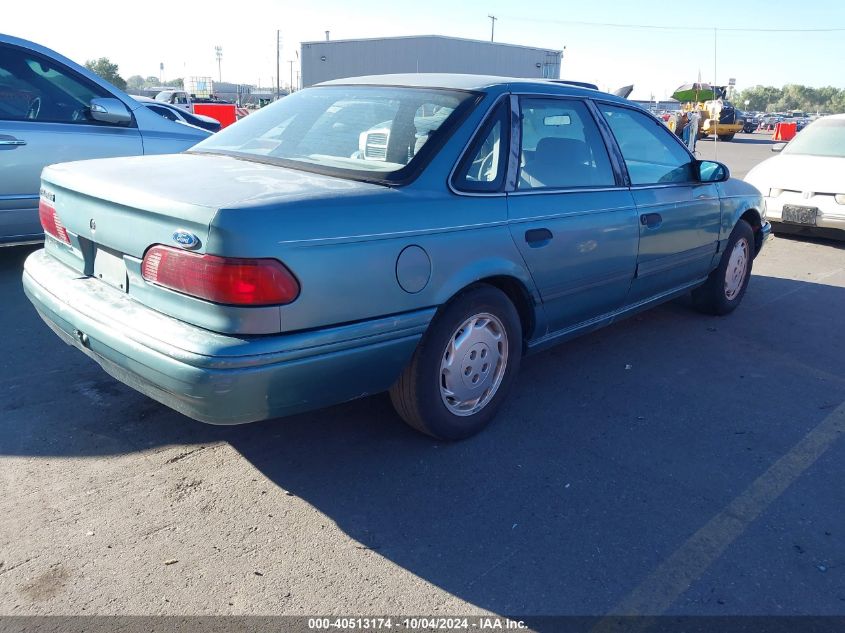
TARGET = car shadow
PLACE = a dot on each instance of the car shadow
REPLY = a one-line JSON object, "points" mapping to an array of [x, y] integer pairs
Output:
{"points": [[611, 450], [833, 238]]}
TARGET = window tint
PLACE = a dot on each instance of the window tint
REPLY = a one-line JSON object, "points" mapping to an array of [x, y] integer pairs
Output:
{"points": [[651, 153], [561, 146], [484, 165], [37, 89]]}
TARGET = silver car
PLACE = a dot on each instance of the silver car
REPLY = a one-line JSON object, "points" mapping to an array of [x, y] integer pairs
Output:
{"points": [[53, 110]]}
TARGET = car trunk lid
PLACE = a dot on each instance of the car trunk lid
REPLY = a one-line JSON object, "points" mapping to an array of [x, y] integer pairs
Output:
{"points": [[115, 210]]}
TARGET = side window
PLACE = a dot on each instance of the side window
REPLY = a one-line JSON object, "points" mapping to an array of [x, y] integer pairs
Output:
{"points": [[484, 165], [16, 94], [651, 153], [561, 146], [164, 112], [34, 88]]}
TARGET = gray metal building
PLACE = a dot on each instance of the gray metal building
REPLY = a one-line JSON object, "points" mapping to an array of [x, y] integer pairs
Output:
{"points": [[336, 59]]}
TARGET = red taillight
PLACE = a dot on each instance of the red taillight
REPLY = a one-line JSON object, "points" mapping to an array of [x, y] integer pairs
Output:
{"points": [[51, 222], [253, 282]]}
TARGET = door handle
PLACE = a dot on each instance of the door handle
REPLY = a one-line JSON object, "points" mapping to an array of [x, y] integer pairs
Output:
{"points": [[651, 220], [14, 142], [538, 237]]}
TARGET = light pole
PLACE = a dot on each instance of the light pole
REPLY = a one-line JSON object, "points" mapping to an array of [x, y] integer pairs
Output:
{"points": [[493, 19], [218, 52], [290, 87]]}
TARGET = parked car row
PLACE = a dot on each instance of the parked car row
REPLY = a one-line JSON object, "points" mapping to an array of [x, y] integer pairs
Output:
{"points": [[766, 122]]}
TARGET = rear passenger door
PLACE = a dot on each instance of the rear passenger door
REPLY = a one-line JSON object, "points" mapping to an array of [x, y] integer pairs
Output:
{"points": [[679, 216], [570, 215]]}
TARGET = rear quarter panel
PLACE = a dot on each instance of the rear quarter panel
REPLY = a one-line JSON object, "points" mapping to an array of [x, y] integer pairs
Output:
{"points": [[344, 250]]}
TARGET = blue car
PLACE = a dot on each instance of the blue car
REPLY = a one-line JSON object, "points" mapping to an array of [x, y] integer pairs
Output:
{"points": [[412, 233], [53, 110]]}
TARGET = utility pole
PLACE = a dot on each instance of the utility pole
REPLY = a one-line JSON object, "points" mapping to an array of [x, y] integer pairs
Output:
{"points": [[290, 61], [493, 19], [278, 44], [218, 52]]}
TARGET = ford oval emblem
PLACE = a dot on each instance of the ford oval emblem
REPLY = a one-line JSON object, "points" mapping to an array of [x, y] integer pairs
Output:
{"points": [[185, 239]]}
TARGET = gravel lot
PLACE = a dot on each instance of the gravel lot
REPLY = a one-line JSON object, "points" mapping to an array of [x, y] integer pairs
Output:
{"points": [[672, 463]]}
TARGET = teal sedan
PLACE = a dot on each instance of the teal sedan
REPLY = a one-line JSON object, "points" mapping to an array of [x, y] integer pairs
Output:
{"points": [[417, 234]]}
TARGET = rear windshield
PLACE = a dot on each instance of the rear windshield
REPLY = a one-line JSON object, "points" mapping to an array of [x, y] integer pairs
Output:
{"points": [[381, 133], [825, 137]]}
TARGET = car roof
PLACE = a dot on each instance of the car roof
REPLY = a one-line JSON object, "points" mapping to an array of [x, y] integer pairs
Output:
{"points": [[480, 83]]}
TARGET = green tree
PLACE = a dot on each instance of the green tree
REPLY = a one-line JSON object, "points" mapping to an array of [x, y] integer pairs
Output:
{"points": [[151, 81], [793, 97], [760, 98], [836, 104], [135, 82], [108, 71], [826, 97], [175, 83]]}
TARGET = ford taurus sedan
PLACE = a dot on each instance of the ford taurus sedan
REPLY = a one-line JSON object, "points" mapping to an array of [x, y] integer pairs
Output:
{"points": [[418, 234]]}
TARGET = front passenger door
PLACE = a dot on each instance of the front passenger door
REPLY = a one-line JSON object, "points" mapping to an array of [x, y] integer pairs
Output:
{"points": [[679, 216], [572, 220]]}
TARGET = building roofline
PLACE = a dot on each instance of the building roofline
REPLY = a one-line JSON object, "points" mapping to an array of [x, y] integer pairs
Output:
{"points": [[443, 37]]}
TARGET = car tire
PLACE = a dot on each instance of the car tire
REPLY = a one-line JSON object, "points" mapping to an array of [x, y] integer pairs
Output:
{"points": [[725, 286], [473, 347], [726, 137]]}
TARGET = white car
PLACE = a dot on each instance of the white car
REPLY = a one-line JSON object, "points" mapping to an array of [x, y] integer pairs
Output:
{"points": [[804, 185]]}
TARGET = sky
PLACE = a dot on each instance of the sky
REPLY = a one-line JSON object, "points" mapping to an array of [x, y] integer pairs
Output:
{"points": [[670, 52]]}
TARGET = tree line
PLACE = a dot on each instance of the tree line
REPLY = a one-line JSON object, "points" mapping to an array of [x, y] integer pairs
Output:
{"points": [[792, 97], [111, 73]]}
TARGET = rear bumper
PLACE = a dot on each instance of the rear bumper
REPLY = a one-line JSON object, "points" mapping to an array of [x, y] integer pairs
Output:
{"points": [[217, 378]]}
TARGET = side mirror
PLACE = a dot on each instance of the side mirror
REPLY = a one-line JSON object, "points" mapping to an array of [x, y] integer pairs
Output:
{"points": [[778, 147], [711, 171], [109, 110]]}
